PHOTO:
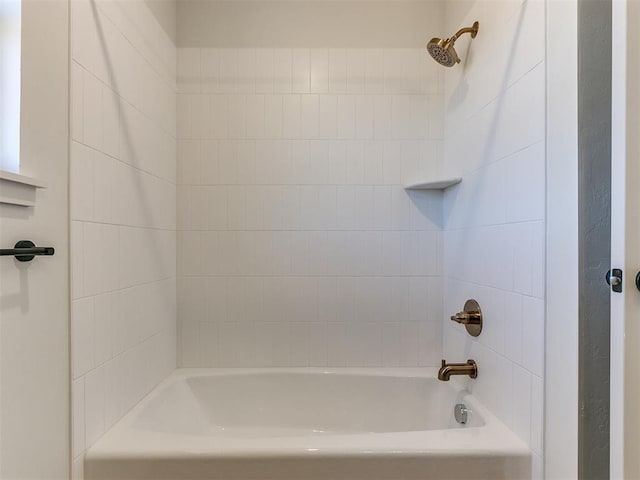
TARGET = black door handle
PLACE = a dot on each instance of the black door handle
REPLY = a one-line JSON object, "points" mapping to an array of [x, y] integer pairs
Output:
{"points": [[26, 250]]}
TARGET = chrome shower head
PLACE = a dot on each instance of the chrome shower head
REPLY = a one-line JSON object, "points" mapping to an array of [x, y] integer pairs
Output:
{"points": [[443, 51]]}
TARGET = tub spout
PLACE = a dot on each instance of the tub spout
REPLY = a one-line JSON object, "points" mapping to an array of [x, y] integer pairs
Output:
{"points": [[447, 369]]}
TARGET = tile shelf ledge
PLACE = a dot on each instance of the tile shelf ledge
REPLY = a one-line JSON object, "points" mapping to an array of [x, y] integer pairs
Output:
{"points": [[440, 184], [20, 190]]}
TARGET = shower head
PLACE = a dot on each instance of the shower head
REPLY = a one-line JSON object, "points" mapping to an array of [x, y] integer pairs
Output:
{"points": [[442, 50]]}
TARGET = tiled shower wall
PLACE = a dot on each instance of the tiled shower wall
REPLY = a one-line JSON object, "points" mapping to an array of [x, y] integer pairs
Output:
{"points": [[123, 198], [297, 244], [495, 219]]}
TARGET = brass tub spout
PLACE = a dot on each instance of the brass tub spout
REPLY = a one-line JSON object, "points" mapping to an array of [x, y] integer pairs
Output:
{"points": [[447, 369]]}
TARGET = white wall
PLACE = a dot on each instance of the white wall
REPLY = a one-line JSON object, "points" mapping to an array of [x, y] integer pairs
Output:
{"points": [[165, 13], [308, 24], [123, 212], [495, 219], [34, 297], [297, 244]]}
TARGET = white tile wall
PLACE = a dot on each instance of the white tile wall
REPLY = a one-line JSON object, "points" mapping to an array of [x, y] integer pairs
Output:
{"points": [[495, 219], [297, 244], [123, 210]]}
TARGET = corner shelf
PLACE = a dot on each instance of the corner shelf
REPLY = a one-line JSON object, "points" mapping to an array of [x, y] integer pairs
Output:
{"points": [[434, 184], [16, 189]]}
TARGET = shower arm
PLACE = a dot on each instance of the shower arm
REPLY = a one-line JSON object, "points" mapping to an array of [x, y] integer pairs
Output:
{"points": [[473, 30]]}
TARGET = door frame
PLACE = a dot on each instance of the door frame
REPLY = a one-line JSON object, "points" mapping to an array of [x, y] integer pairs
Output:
{"points": [[625, 235]]}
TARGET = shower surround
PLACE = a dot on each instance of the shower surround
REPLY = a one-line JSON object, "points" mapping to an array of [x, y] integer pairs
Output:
{"points": [[283, 236]]}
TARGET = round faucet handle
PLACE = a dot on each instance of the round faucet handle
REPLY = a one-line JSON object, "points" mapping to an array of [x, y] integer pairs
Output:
{"points": [[470, 317]]}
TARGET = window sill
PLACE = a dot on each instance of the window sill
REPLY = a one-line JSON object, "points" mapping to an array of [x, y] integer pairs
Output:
{"points": [[16, 189]]}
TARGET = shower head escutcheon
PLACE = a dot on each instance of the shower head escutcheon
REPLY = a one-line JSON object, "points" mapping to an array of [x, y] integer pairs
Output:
{"points": [[442, 50]]}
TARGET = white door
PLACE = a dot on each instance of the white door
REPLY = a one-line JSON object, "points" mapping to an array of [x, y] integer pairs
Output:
{"points": [[34, 297], [625, 241]]}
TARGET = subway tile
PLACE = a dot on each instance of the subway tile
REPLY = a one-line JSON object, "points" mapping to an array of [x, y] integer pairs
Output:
{"points": [[310, 116], [382, 117], [393, 78], [82, 161], [537, 414], [94, 393], [526, 184], [301, 72], [255, 116], [392, 162], [237, 116], [355, 155], [381, 208], [355, 72], [521, 424], [219, 111], [409, 344], [189, 74], [337, 70], [401, 116], [227, 161], [208, 337], [374, 71], [265, 70], [514, 338], [328, 116], [284, 73], [210, 71], [346, 113], [82, 341], [190, 343], [391, 351], [245, 79], [92, 113], [412, 60], [291, 117], [374, 163], [430, 343], [533, 334], [337, 163], [78, 416], [77, 102], [106, 318], [364, 118], [105, 189], [227, 59], [201, 116], [319, 70], [189, 169], [274, 111], [77, 260]]}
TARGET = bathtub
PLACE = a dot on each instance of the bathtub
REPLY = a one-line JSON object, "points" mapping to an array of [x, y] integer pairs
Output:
{"points": [[307, 424]]}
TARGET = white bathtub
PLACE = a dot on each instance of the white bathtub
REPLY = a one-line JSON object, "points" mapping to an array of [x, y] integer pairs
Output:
{"points": [[307, 424]]}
